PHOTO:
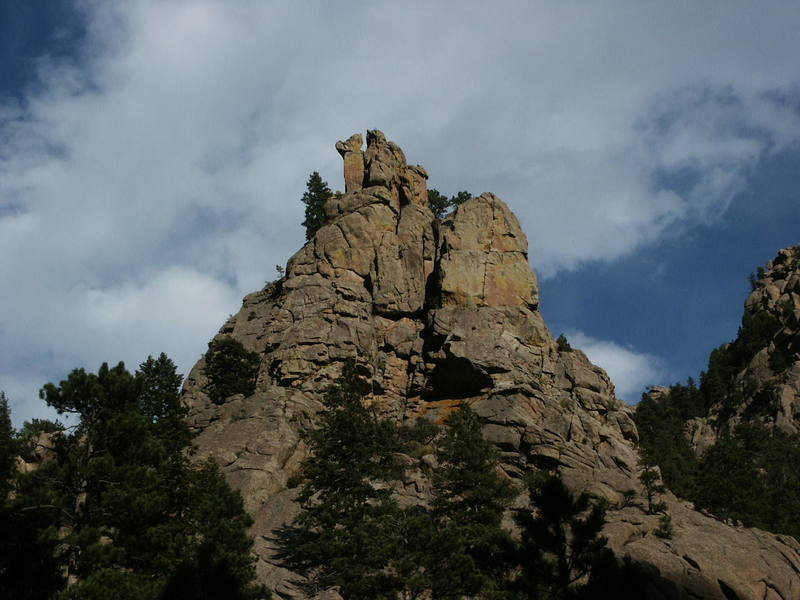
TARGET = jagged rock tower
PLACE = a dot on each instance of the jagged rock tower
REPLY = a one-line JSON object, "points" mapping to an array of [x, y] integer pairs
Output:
{"points": [[437, 314]]}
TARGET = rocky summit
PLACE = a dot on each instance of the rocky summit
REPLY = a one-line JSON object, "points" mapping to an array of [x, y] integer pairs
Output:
{"points": [[765, 384], [438, 314]]}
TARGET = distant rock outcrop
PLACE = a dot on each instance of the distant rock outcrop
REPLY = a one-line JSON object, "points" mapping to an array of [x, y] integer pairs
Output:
{"points": [[438, 314], [765, 383], [773, 375]]}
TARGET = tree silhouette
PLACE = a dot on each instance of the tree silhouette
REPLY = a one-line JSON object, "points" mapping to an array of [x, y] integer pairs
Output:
{"points": [[316, 195], [560, 540], [117, 507], [345, 535]]}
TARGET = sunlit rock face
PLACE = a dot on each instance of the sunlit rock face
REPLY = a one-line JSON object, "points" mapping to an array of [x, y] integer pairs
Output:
{"points": [[437, 314]]}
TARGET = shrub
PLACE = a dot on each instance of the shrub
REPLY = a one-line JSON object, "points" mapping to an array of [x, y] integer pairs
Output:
{"points": [[665, 529], [563, 344], [230, 368]]}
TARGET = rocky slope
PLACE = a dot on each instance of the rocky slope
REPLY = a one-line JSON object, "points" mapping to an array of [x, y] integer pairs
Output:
{"points": [[765, 385], [437, 314]]}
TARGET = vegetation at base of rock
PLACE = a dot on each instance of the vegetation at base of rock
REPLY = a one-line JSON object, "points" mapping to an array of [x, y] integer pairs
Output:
{"points": [[662, 439], [651, 481], [440, 204], [230, 368], [750, 473], [469, 498], [753, 476], [665, 529], [29, 568], [114, 510], [353, 536], [559, 542], [345, 536], [316, 195]]}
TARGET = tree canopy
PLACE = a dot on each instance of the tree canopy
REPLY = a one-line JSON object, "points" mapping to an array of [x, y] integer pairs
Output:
{"points": [[440, 204], [230, 368], [115, 510], [316, 194], [750, 473], [354, 536], [344, 535]]}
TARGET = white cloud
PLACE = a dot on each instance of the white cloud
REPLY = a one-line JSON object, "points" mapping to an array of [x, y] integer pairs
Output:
{"points": [[630, 371], [18, 390], [172, 155]]}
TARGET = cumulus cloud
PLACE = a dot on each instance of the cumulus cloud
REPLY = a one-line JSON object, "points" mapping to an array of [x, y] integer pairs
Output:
{"points": [[174, 310], [630, 371], [145, 186]]}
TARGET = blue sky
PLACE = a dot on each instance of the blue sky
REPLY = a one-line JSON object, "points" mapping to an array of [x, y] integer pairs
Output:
{"points": [[152, 157]]}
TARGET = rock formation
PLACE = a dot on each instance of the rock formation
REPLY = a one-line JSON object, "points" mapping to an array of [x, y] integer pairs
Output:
{"points": [[767, 388], [437, 314]]}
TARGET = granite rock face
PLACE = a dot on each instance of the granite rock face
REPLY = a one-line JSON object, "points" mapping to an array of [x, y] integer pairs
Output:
{"points": [[767, 388], [438, 314], [773, 375]]}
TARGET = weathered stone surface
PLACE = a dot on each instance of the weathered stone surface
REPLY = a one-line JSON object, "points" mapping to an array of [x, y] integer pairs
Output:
{"points": [[437, 315], [414, 186], [484, 257], [353, 162], [709, 558], [772, 379], [385, 161], [42, 450]]}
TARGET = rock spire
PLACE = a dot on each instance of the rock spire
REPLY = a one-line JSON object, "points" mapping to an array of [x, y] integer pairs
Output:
{"points": [[437, 314]]}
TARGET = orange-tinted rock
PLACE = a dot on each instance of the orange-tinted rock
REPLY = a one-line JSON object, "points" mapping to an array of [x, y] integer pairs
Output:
{"points": [[484, 257], [353, 162]]}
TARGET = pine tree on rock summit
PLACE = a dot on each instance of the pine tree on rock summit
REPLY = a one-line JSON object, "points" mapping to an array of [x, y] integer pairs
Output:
{"points": [[317, 193]]}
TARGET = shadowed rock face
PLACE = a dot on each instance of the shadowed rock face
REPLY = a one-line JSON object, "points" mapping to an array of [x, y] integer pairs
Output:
{"points": [[773, 374], [767, 388], [437, 314]]}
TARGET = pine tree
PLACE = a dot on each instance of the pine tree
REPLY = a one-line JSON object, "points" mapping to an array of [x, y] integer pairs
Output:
{"points": [[560, 540], [316, 195], [218, 564], [346, 535], [753, 475], [230, 368], [651, 481], [28, 569], [129, 515], [8, 450], [468, 543], [160, 403], [459, 198], [438, 203], [662, 436]]}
